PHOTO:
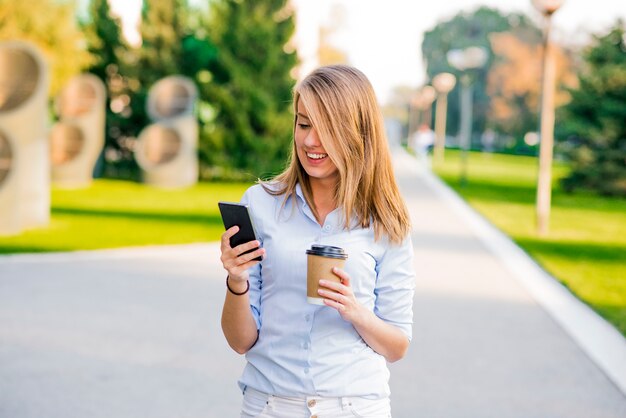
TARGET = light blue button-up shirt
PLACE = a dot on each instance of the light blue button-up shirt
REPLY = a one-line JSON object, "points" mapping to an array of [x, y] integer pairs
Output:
{"points": [[305, 349]]}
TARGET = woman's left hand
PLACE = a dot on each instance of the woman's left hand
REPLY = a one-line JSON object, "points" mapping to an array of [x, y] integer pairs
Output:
{"points": [[341, 297]]}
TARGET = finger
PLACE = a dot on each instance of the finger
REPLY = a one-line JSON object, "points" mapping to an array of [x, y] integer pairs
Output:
{"points": [[335, 286], [245, 266], [254, 254], [333, 304], [250, 245], [232, 260], [345, 278], [231, 231], [228, 234], [335, 296]]}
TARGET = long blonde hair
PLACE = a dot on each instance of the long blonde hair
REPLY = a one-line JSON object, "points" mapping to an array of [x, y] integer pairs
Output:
{"points": [[342, 107]]}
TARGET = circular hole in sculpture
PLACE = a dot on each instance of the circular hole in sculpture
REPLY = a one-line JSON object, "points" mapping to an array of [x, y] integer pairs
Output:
{"points": [[66, 142], [6, 158], [161, 145], [77, 98], [171, 99], [19, 76]]}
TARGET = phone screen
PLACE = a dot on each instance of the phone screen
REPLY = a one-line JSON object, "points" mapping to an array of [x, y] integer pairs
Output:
{"points": [[237, 214]]}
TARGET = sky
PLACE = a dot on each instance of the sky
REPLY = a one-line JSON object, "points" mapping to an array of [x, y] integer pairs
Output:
{"points": [[383, 38]]}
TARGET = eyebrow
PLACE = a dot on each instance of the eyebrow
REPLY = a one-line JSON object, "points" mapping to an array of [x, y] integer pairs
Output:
{"points": [[301, 115]]}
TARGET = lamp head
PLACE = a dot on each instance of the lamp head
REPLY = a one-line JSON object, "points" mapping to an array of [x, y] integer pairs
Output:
{"points": [[468, 58], [444, 82], [547, 7]]}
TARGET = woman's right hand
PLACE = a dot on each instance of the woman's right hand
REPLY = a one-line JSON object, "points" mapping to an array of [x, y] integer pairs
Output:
{"points": [[234, 261]]}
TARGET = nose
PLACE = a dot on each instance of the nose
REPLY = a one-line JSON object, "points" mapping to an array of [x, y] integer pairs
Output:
{"points": [[311, 140]]}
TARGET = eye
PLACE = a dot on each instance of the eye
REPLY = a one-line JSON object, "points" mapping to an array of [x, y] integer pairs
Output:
{"points": [[304, 125]]}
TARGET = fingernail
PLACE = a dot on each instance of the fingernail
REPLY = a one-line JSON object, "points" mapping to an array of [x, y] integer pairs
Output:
{"points": [[323, 282]]}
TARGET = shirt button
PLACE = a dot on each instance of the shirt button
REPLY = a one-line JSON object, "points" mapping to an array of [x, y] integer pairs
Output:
{"points": [[306, 370], [307, 317], [305, 345], [326, 227], [311, 403]]}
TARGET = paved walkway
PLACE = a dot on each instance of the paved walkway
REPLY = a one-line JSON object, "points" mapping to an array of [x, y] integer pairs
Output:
{"points": [[135, 333]]}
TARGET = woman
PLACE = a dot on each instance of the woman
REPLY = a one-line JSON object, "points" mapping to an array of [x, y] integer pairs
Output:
{"points": [[307, 360]]}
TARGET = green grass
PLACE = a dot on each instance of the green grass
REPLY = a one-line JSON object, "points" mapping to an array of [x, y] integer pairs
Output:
{"points": [[113, 214], [586, 246]]}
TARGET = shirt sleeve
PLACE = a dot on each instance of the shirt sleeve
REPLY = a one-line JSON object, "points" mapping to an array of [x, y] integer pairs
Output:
{"points": [[255, 279], [395, 286]]}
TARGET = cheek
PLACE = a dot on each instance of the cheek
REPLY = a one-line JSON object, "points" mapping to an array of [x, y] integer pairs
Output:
{"points": [[299, 137]]}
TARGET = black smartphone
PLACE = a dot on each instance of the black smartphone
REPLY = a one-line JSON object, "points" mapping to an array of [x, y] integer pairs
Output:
{"points": [[237, 214]]}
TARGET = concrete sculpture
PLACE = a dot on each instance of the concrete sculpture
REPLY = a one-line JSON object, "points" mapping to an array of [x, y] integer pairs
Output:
{"points": [[24, 159], [77, 139], [166, 150]]}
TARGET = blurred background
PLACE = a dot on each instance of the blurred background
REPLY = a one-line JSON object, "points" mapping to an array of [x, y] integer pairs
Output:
{"points": [[124, 122], [177, 104]]}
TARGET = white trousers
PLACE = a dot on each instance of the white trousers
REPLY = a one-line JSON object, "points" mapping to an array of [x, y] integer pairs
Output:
{"points": [[261, 405]]}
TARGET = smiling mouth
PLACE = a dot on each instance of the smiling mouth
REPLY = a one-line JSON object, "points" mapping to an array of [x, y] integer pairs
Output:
{"points": [[316, 156]]}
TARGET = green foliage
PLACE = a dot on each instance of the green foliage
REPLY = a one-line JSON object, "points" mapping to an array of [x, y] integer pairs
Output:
{"points": [[251, 85], [462, 31], [174, 42], [163, 27], [587, 240], [106, 44], [51, 26], [104, 38], [594, 122], [131, 73]]}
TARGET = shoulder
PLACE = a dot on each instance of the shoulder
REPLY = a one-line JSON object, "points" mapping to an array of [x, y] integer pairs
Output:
{"points": [[260, 194]]}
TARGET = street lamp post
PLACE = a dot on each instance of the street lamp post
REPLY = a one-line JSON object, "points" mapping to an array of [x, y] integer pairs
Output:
{"points": [[422, 101], [443, 84], [463, 60], [546, 144], [427, 97], [409, 130]]}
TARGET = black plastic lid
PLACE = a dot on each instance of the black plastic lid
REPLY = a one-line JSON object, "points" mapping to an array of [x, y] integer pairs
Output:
{"points": [[327, 251]]}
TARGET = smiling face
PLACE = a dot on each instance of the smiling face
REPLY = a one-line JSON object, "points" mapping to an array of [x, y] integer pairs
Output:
{"points": [[311, 152]]}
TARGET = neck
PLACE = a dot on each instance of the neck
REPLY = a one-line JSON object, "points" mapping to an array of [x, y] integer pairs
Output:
{"points": [[323, 197]]}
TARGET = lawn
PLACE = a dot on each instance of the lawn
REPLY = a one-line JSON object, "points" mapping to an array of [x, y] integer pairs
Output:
{"points": [[586, 246], [120, 213]]}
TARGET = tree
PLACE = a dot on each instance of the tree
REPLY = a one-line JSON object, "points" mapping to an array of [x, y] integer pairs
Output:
{"points": [[51, 26], [462, 31], [593, 121], [163, 27], [514, 83], [251, 86], [104, 38], [109, 49]]}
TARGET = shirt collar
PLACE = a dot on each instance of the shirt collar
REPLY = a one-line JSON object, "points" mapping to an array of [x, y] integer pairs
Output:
{"points": [[299, 193]]}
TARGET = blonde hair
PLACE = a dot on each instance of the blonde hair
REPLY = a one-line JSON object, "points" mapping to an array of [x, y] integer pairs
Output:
{"points": [[342, 107]]}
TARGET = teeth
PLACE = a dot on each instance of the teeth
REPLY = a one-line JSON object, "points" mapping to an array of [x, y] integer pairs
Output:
{"points": [[316, 156]]}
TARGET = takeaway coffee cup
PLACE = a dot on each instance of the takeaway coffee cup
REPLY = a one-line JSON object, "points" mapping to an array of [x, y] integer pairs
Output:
{"points": [[320, 262]]}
